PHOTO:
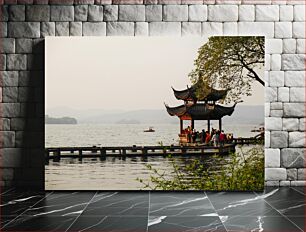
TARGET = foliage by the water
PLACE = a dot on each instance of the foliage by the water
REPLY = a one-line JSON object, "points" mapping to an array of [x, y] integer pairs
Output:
{"points": [[231, 62], [243, 171]]}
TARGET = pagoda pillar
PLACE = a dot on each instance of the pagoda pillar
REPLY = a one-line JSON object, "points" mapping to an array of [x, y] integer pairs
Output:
{"points": [[208, 125], [220, 124], [181, 126], [192, 124]]}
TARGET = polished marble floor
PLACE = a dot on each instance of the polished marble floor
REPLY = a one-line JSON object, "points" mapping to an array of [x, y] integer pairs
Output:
{"points": [[276, 209]]}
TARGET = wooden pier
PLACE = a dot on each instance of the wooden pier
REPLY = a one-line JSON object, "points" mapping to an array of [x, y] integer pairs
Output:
{"points": [[56, 153], [102, 152]]}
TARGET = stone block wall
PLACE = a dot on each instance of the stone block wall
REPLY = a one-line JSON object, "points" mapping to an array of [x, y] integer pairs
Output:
{"points": [[25, 23]]}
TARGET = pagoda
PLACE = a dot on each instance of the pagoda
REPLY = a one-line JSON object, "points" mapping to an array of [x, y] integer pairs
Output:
{"points": [[204, 108]]}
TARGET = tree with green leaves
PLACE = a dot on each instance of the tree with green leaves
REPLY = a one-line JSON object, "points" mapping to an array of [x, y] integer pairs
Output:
{"points": [[232, 63]]}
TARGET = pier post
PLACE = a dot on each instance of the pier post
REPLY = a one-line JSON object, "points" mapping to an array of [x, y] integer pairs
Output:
{"points": [[80, 155], [144, 151], [181, 126], [57, 155], [164, 150], [123, 152], [102, 154]]}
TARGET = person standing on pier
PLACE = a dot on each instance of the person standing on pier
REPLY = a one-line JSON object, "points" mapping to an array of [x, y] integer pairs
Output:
{"points": [[207, 138], [194, 135], [189, 134], [203, 136], [215, 138], [212, 132], [222, 138]]}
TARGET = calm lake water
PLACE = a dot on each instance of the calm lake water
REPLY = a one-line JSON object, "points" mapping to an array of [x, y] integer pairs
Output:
{"points": [[125, 134], [112, 174], [115, 173]]}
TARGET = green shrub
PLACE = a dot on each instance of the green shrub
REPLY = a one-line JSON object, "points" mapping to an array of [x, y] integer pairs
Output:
{"points": [[244, 171]]}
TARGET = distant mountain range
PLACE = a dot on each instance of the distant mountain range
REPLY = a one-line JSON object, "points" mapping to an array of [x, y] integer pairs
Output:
{"points": [[242, 114]]}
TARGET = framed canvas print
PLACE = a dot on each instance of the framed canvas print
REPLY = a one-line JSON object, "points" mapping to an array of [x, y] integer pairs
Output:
{"points": [[154, 113]]}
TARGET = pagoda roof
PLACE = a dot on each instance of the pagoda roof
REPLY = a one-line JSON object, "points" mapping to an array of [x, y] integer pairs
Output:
{"points": [[201, 111], [189, 94]]}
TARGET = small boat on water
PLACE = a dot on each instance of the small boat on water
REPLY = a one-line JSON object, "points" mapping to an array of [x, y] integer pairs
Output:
{"points": [[149, 130]]}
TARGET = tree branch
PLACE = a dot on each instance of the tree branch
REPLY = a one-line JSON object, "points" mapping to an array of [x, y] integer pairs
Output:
{"points": [[256, 62], [256, 77]]}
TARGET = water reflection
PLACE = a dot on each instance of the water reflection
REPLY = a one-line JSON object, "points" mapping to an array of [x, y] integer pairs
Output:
{"points": [[113, 173]]}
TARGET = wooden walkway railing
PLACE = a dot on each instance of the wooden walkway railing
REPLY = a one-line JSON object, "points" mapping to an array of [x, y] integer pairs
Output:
{"points": [[93, 152]]}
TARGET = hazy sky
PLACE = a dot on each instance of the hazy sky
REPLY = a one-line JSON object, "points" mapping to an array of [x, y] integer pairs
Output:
{"points": [[121, 72]]}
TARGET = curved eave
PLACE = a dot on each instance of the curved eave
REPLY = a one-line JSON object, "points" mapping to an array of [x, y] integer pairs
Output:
{"points": [[206, 112], [221, 111], [176, 111], [201, 111], [190, 94], [185, 94]]}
